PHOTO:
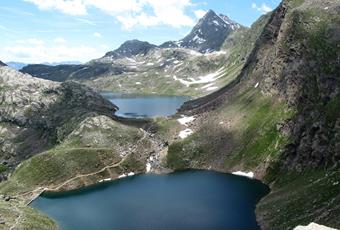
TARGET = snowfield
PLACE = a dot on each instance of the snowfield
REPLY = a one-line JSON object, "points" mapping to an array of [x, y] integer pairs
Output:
{"points": [[202, 79]]}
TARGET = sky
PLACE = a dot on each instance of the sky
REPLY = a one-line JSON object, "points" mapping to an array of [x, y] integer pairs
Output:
{"points": [[37, 31]]}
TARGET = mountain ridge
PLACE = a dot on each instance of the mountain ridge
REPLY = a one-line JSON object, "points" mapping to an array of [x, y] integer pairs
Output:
{"points": [[207, 35]]}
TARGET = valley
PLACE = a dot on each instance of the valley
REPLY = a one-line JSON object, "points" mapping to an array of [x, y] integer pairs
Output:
{"points": [[262, 100]]}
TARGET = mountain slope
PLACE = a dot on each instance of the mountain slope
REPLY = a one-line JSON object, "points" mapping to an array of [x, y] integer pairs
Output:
{"points": [[279, 118], [130, 48], [36, 114], [16, 65]]}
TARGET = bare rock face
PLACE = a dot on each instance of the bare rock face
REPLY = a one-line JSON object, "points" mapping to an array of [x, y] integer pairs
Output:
{"points": [[35, 114], [2, 64], [208, 35]]}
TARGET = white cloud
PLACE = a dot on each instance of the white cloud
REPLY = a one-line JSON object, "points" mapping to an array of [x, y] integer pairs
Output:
{"points": [[59, 40], [86, 21], [263, 8], [97, 35], [31, 41], [71, 7], [129, 13], [37, 52], [199, 13]]}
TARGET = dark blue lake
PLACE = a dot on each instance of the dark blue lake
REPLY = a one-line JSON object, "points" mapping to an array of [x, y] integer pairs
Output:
{"points": [[141, 106], [183, 200]]}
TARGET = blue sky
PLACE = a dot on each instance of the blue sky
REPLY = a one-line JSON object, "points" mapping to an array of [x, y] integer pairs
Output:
{"points": [[35, 31]]}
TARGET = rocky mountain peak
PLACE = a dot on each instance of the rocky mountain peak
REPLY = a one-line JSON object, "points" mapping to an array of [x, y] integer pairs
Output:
{"points": [[130, 48], [208, 35]]}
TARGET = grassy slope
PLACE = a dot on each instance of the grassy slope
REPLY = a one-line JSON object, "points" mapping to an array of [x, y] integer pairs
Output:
{"points": [[239, 134], [88, 149], [253, 141], [23, 217], [299, 198]]}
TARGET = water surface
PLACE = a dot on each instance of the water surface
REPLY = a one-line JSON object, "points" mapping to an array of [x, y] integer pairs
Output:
{"points": [[141, 106], [184, 200]]}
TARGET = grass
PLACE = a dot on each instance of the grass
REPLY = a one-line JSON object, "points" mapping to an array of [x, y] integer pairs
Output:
{"points": [[29, 217], [300, 198], [56, 166], [251, 135], [3, 168]]}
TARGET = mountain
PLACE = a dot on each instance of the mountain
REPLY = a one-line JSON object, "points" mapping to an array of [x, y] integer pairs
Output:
{"points": [[163, 70], [208, 35], [62, 73], [20, 65], [130, 48], [16, 65], [62, 63]]}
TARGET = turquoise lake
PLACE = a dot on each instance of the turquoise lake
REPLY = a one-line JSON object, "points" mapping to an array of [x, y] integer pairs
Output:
{"points": [[144, 106], [182, 200]]}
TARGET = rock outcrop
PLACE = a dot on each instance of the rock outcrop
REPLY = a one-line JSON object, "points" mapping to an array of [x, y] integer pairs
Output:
{"points": [[36, 114]]}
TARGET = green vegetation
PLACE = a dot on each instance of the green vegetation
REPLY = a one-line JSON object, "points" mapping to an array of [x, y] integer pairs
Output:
{"points": [[56, 166], [332, 109], [297, 198], [3, 168], [243, 132], [23, 217]]}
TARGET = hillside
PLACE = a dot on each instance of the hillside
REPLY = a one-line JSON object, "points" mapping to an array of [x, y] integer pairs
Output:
{"points": [[36, 114], [279, 118]]}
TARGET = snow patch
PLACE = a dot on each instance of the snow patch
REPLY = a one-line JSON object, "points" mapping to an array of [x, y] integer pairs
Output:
{"points": [[257, 84], [246, 174], [313, 226], [216, 23], [148, 167], [131, 174], [185, 120], [122, 176], [150, 64], [198, 39], [138, 83], [211, 88], [130, 59], [185, 133], [202, 79]]}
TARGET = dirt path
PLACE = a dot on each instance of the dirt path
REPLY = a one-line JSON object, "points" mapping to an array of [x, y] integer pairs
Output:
{"points": [[101, 170]]}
